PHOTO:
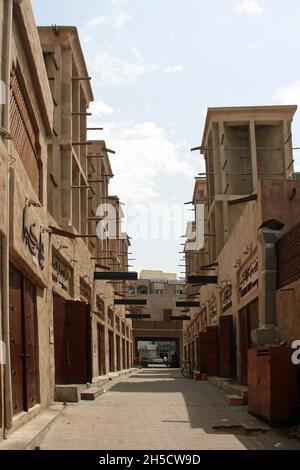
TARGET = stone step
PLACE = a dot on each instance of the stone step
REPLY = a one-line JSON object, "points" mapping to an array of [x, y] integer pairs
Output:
{"points": [[234, 400], [235, 389], [218, 381], [91, 393], [68, 393], [31, 434]]}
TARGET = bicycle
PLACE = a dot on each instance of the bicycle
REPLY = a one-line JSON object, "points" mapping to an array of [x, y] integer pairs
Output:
{"points": [[186, 370]]}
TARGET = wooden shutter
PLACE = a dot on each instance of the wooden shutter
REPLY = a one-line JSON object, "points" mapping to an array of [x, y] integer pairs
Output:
{"points": [[23, 133]]}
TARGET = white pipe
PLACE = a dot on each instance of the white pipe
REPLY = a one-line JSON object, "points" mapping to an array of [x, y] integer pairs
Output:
{"points": [[7, 389]]}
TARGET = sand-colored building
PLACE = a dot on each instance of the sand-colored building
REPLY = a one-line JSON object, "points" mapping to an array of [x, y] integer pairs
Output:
{"points": [[161, 291], [60, 328], [252, 201]]}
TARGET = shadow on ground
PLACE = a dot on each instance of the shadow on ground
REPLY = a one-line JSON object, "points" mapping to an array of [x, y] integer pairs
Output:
{"points": [[206, 408]]}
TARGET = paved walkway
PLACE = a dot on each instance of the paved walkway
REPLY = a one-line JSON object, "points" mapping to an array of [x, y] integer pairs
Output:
{"points": [[158, 409]]}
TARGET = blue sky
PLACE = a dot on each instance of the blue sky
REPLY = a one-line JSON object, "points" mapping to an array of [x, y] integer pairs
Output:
{"points": [[156, 66]]}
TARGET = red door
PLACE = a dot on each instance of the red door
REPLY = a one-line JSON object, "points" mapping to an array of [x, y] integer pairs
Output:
{"points": [[60, 334], [16, 341], [123, 354], [244, 344], [127, 355], [118, 346], [101, 350], [72, 333], [111, 351], [248, 321], [23, 342], [226, 346], [78, 342], [212, 350], [202, 352], [31, 370]]}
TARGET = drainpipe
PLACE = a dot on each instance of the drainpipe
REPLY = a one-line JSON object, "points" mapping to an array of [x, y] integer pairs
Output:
{"points": [[7, 390], [267, 332]]}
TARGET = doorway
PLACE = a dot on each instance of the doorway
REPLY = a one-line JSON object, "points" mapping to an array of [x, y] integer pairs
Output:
{"points": [[101, 350], [248, 321], [72, 347], [227, 367], [111, 351], [23, 342], [118, 347]]}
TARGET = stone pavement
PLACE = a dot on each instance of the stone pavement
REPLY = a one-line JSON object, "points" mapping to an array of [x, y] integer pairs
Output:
{"points": [[157, 409]]}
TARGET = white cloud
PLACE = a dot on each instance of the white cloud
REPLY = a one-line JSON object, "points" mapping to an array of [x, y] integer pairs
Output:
{"points": [[144, 153], [250, 7], [99, 108], [110, 70], [136, 53], [288, 94], [120, 19], [87, 40], [98, 20], [174, 68]]}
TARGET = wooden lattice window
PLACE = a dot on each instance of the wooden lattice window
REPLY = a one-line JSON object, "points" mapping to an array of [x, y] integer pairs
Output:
{"points": [[24, 132], [288, 258]]}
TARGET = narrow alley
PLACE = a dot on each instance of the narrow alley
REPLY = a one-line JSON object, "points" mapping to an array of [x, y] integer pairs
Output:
{"points": [[177, 413]]}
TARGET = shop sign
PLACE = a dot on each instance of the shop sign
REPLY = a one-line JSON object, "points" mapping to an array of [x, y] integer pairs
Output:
{"points": [[61, 274], [227, 297], [33, 238], [213, 310], [248, 279]]}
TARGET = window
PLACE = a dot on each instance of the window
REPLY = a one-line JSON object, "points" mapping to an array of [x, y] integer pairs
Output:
{"points": [[142, 290], [24, 132], [159, 291]]}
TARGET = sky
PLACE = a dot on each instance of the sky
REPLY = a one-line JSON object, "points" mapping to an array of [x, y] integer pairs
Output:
{"points": [[156, 66]]}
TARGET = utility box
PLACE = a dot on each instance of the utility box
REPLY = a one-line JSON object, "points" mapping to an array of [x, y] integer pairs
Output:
{"points": [[273, 384]]}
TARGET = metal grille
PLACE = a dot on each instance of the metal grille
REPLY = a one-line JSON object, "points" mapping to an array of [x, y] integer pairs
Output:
{"points": [[288, 258], [23, 133]]}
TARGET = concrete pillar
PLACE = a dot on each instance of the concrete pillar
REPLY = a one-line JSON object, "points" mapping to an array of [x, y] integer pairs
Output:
{"points": [[267, 333]]}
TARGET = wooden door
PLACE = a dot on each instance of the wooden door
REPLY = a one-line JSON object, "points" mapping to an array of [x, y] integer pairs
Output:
{"points": [[16, 341], [244, 344], [212, 350], [101, 350], [127, 355], [72, 341], [30, 340], [23, 342], [78, 342], [124, 354], [202, 347], [226, 347], [248, 321], [111, 351], [118, 351], [60, 338]]}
